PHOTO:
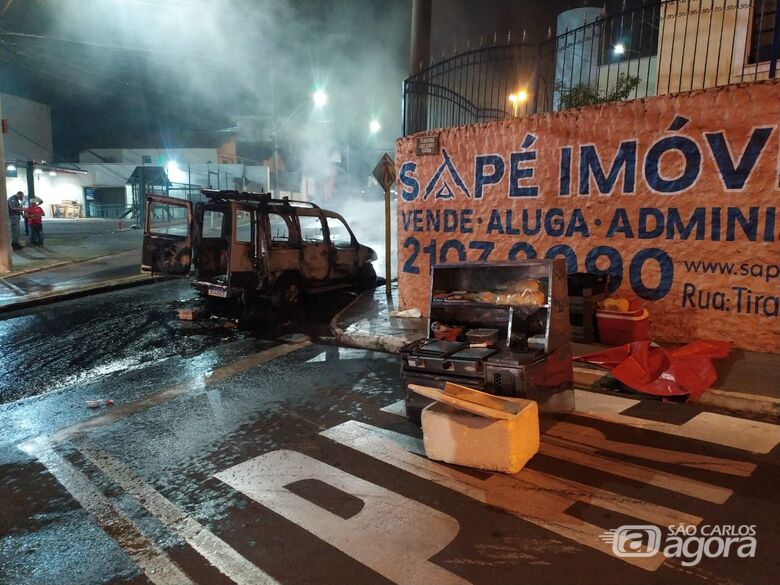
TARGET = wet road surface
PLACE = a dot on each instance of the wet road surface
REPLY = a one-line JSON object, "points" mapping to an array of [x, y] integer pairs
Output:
{"points": [[73, 342], [242, 459]]}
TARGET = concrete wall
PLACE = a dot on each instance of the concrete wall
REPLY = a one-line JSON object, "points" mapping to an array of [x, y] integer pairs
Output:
{"points": [[29, 122], [676, 196]]}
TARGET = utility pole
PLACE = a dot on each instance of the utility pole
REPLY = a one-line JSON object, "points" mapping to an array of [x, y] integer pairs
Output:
{"points": [[6, 263], [419, 60], [420, 54]]}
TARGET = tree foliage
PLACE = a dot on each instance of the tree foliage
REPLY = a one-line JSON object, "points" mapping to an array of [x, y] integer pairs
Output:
{"points": [[584, 95]]}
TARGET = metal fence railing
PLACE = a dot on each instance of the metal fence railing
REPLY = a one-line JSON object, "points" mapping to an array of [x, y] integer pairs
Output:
{"points": [[658, 48]]}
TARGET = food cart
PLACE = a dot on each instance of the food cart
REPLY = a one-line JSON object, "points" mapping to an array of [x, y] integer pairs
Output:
{"points": [[501, 328]]}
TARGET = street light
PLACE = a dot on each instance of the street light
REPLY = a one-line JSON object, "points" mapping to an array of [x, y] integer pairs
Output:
{"points": [[374, 126], [320, 99], [619, 49], [516, 99]]}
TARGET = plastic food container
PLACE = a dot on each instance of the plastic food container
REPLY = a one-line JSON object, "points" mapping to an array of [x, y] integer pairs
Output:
{"points": [[479, 336], [621, 328], [444, 332]]}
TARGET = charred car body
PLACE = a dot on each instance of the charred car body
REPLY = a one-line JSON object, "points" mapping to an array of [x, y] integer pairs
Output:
{"points": [[247, 245]]}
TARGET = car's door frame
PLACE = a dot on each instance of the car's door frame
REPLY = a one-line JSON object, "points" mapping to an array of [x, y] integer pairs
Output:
{"points": [[314, 253], [242, 255], [163, 253], [338, 254]]}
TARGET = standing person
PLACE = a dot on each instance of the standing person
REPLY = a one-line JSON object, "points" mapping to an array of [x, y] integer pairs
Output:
{"points": [[15, 212], [34, 216]]}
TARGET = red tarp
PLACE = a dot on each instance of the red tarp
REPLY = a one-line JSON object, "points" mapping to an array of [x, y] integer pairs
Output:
{"points": [[661, 372]]}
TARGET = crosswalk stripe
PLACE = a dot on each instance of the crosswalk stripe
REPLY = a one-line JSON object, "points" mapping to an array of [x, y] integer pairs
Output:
{"points": [[729, 431], [587, 438], [533, 496], [156, 565], [668, 481], [215, 550]]}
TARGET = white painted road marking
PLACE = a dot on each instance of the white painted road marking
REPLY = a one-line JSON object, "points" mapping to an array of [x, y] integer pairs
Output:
{"points": [[393, 535], [215, 550], [533, 496], [589, 439], [669, 481], [729, 431], [156, 565]]}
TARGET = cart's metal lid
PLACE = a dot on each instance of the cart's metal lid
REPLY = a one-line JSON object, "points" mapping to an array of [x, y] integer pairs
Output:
{"points": [[473, 353], [440, 348]]}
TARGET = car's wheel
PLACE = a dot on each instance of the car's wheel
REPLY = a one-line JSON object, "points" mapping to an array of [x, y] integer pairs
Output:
{"points": [[287, 292], [366, 277]]}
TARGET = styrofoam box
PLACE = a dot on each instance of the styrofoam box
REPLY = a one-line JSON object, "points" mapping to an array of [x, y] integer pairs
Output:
{"points": [[462, 438]]}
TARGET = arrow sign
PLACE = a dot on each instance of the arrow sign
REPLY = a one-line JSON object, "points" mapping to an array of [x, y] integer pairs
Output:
{"points": [[384, 171]]}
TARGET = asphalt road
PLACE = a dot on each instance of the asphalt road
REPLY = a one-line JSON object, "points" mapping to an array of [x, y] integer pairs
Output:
{"points": [[53, 347], [234, 457]]}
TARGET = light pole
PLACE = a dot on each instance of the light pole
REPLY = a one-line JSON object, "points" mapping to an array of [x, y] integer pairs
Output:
{"points": [[320, 98]]}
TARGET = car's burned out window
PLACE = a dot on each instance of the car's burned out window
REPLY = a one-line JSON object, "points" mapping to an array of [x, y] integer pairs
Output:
{"points": [[311, 229], [169, 220], [280, 230], [339, 234], [243, 226], [212, 224]]}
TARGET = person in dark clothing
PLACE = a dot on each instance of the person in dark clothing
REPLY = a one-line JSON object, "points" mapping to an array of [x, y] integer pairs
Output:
{"points": [[34, 216], [15, 212]]}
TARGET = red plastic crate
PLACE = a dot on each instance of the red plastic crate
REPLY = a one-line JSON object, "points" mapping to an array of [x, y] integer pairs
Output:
{"points": [[621, 328]]}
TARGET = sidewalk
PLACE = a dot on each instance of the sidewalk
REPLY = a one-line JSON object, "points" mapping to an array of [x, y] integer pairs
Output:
{"points": [[747, 381], [73, 279], [74, 240], [80, 256]]}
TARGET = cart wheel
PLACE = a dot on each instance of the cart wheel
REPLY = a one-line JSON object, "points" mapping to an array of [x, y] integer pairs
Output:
{"points": [[287, 292], [366, 277]]}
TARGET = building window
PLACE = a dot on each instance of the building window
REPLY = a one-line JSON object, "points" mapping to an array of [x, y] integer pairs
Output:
{"points": [[762, 27]]}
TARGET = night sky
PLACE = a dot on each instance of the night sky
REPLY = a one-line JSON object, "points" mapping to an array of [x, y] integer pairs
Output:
{"points": [[106, 66]]}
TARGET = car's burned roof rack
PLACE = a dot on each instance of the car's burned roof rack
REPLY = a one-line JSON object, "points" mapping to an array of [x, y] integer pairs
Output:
{"points": [[265, 198]]}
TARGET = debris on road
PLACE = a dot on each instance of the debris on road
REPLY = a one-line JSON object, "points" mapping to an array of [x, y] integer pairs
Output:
{"points": [[99, 402], [188, 314], [413, 313]]}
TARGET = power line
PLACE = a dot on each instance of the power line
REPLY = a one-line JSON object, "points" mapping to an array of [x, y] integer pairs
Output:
{"points": [[28, 139], [98, 45]]}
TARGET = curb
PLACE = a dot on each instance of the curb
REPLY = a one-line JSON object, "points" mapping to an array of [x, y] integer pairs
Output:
{"points": [[62, 264], [96, 288], [363, 340]]}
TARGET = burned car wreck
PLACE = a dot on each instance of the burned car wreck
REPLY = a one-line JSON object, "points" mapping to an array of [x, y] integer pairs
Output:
{"points": [[246, 246]]}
